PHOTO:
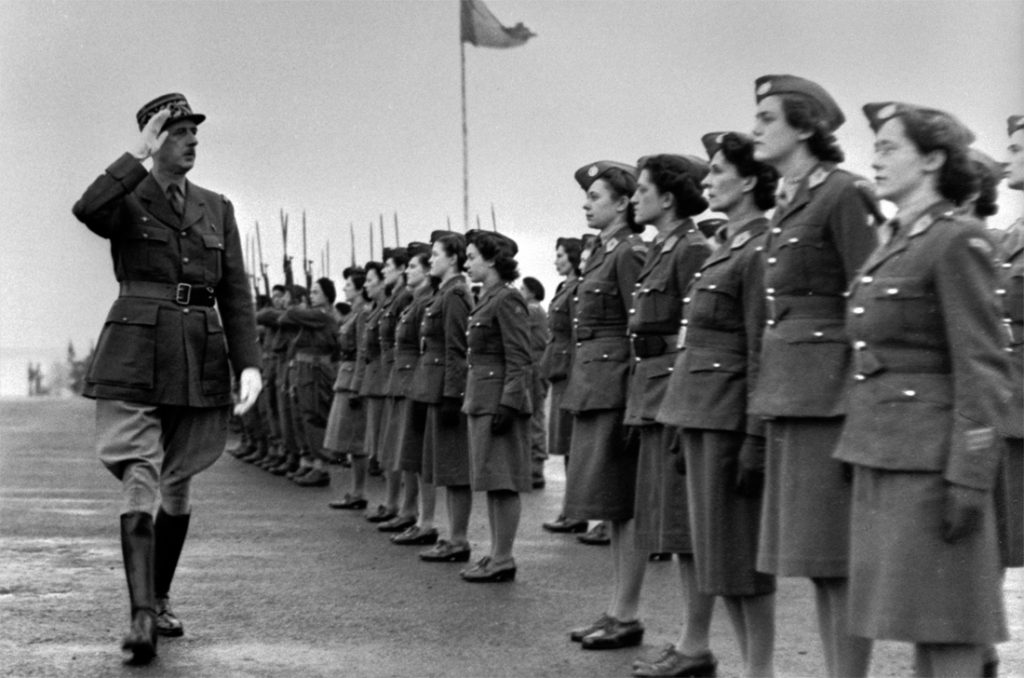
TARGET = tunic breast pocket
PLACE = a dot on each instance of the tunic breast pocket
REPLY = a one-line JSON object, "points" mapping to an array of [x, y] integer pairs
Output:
{"points": [[600, 304], [655, 302], [146, 251], [213, 249], [906, 303], [716, 303], [805, 255]]}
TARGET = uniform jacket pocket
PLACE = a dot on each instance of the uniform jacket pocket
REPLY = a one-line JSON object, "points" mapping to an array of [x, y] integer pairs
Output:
{"points": [[126, 351]]}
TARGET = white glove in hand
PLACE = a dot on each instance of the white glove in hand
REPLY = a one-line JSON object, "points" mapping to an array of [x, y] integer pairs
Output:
{"points": [[151, 138], [249, 386]]}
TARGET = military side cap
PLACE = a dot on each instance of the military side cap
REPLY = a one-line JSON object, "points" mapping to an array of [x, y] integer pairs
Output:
{"points": [[713, 141], [770, 85], [437, 235], [178, 105], [588, 174], [390, 252], [710, 226], [1014, 123], [416, 248], [562, 242], [352, 270], [507, 243], [879, 113], [472, 234]]}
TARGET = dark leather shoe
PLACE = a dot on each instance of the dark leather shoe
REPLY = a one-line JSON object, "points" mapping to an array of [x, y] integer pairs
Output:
{"points": [[597, 536], [282, 468], [315, 478], [578, 634], [615, 635], [659, 557], [446, 552], [381, 514], [349, 503], [484, 572], [167, 623], [674, 663], [415, 536], [397, 524], [374, 468], [141, 639], [562, 525]]}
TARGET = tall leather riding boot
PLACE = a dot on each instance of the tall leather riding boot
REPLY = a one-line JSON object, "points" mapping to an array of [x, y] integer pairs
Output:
{"points": [[137, 549], [170, 537]]}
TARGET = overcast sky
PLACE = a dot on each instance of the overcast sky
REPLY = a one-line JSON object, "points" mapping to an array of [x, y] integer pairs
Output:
{"points": [[350, 109]]}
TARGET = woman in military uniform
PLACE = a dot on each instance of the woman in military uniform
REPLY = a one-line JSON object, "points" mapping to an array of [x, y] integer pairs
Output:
{"points": [[601, 482], [498, 398], [440, 383], [820, 234], [409, 416], [930, 388], [346, 425], [556, 364], [707, 397]]}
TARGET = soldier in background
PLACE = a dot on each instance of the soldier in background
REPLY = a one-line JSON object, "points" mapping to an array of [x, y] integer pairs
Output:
{"points": [[161, 375], [533, 291]]}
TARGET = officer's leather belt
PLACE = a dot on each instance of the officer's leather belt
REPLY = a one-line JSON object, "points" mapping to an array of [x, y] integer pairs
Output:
{"points": [[320, 359], [182, 294], [708, 338], [653, 345], [587, 333], [810, 306], [911, 360]]}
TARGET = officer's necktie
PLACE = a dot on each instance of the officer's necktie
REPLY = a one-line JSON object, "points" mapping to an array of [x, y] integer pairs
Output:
{"points": [[177, 199], [781, 195]]}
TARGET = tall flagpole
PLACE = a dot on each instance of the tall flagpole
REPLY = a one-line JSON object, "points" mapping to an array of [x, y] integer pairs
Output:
{"points": [[465, 142]]}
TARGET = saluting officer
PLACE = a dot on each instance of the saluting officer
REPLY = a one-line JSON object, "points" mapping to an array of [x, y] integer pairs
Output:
{"points": [[821, 232], [930, 390], [161, 375]]}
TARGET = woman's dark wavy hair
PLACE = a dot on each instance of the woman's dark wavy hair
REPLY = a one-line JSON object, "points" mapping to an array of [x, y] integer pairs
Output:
{"points": [[986, 199], [496, 250], [670, 175], [454, 245], [357, 276], [806, 114], [573, 248], [622, 184], [423, 259], [739, 152], [930, 130], [377, 268]]}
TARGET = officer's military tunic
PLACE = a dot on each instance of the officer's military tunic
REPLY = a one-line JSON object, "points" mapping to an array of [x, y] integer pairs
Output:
{"points": [[390, 312], [346, 427], [662, 516], [815, 245], [369, 383], [930, 388], [408, 417], [441, 373], [1009, 491], [707, 396], [164, 343], [500, 372], [538, 323], [556, 364], [601, 480], [315, 369]]}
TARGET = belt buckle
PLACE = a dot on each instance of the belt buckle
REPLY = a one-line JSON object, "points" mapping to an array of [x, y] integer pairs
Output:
{"points": [[183, 294]]}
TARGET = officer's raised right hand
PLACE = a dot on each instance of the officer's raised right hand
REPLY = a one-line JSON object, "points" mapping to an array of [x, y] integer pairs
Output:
{"points": [[151, 138]]}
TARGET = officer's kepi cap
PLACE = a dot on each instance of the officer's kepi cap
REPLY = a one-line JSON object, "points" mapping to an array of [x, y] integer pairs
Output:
{"points": [[589, 173], [1014, 123], [713, 141], [177, 103], [770, 85], [881, 112]]}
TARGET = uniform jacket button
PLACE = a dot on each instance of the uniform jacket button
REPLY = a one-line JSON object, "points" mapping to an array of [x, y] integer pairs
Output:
{"points": [[859, 377], [867, 279], [858, 310], [910, 393]]}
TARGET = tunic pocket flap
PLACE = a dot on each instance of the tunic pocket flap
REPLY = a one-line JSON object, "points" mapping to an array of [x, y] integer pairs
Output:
{"points": [[212, 241], [151, 234], [133, 312], [725, 286], [213, 325], [716, 363], [899, 288], [811, 330]]}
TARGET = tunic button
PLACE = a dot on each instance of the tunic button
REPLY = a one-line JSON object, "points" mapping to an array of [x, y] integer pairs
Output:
{"points": [[638, 359], [794, 240], [575, 298], [712, 287], [819, 334], [490, 374], [1001, 292], [772, 260], [637, 285], [145, 219], [716, 364], [770, 323], [145, 235], [860, 345], [185, 310], [858, 310], [183, 234], [1007, 265], [579, 343], [866, 279], [670, 369], [910, 393], [697, 275], [685, 322], [632, 311], [859, 377], [892, 290], [124, 318], [770, 290], [776, 230], [605, 356], [184, 260], [686, 300]]}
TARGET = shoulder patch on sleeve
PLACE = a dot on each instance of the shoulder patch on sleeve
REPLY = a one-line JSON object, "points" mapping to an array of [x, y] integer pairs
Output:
{"points": [[981, 245], [980, 439]]}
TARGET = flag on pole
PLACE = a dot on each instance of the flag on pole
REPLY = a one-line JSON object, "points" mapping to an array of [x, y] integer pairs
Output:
{"points": [[481, 28]]}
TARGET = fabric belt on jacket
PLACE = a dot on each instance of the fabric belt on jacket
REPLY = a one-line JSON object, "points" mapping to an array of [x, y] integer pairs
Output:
{"points": [[183, 294], [706, 337], [473, 358], [653, 345], [587, 333], [791, 306], [313, 358], [867, 362]]}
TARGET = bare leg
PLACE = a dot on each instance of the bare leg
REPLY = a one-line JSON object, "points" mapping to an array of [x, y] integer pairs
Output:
{"points": [[428, 502], [460, 504], [393, 489], [410, 493], [734, 606], [759, 621], [846, 655], [632, 565], [505, 513], [694, 639], [950, 661], [359, 477]]}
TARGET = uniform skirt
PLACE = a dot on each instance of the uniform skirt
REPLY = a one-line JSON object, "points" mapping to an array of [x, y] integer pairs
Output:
{"points": [[346, 428], [374, 426], [559, 420], [662, 515], [1009, 501], [408, 419], [499, 462], [600, 483], [725, 524], [445, 451], [805, 523], [387, 449], [906, 582]]}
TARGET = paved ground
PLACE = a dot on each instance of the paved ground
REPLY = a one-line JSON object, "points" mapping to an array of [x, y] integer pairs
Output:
{"points": [[272, 583]]}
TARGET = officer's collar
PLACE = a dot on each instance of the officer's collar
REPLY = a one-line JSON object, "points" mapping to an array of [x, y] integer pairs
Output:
{"points": [[918, 219], [615, 236]]}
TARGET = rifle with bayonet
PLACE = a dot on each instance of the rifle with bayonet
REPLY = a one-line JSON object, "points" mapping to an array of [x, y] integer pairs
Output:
{"points": [[289, 277]]}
